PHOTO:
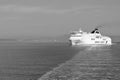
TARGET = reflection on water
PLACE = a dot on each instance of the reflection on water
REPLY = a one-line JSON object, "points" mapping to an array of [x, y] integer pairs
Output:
{"points": [[94, 63]]}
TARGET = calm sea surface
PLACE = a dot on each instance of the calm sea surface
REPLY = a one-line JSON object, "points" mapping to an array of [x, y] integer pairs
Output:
{"points": [[48, 61], [29, 61]]}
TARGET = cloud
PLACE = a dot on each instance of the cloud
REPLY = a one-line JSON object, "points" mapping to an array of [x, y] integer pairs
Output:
{"points": [[45, 10]]}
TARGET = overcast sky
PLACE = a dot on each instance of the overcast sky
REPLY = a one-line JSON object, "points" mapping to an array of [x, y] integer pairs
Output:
{"points": [[57, 17]]}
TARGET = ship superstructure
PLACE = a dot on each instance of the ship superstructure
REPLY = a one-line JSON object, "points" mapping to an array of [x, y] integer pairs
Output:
{"points": [[80, 38]]}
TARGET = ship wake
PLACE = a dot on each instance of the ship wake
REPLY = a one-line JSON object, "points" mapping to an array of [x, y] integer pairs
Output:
{"points": [[93, 63]]}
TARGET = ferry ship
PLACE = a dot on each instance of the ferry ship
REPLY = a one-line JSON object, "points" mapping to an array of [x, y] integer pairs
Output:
{"points": [[92, 38]]}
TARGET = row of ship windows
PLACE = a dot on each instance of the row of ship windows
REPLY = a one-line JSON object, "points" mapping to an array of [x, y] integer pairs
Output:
{"points": [[97, 42], [91, 38], [98, 37], [94, 39], [100, 41]]}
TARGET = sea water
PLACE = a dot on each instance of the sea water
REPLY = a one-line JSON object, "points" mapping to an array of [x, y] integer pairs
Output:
{"points": [[91, 63], [30, 60], [58, 61]]}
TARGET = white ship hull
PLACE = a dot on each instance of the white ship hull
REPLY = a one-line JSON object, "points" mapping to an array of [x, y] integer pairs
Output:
{"points": [[90, 43]]}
